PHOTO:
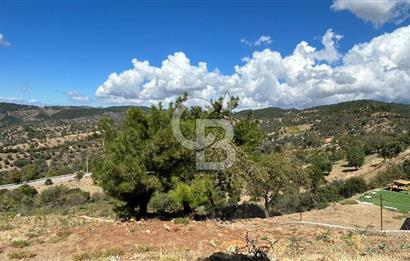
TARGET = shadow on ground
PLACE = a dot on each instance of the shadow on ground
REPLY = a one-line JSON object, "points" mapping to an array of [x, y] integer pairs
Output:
{"points": [[232, 257]]}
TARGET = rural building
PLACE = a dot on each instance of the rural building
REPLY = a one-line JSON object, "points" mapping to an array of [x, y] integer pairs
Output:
{"points": [[399, 185]]}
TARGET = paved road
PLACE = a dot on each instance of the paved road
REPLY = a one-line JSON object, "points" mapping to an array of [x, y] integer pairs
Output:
{"points": [[56, 180]]}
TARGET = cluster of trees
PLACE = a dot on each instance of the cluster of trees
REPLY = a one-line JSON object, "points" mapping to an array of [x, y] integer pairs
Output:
{"points": [[386, 147], [321, 197], [142, 159], [142, 165], [26, 198], [38, 169], [67, 158]]}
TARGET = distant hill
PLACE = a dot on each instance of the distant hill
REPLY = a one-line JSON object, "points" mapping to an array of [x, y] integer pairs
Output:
{"points": [[355, 117], [364, 116], [11, 113]]}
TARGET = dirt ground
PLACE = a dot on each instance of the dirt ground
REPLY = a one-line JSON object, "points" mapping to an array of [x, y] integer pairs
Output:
{"points": [[84, 238], [357, 216]]}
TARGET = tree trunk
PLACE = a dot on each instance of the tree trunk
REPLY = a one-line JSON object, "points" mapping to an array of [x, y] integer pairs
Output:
{"points": [[143, 210], [266, 210], [187, 208], [143, 204]]}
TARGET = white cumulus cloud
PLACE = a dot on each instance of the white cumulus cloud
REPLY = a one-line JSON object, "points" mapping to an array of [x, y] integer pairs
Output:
{"points": [[77, 97], [262, 40], [377, 12], [378, 69], [4, 41]]}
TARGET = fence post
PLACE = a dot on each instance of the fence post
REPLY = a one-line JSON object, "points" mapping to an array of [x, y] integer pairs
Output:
{"points": [[381, 212]]}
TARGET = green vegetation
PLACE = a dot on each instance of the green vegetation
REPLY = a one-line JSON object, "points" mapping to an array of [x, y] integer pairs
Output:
{"points": [[19, 243], [181, 221], [282, 157], [355, 156], [274, 176], [323, 162], [26, 200], [293, 201], [104, 254], [142, 157], [48, 182], [387, 176], [20, 254], [406, 168], [399, 201], [391, 149]]}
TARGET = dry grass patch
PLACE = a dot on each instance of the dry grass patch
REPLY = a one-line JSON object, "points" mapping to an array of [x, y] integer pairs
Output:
{"points": [[20, 243], [99, 254], [5, 227], [20, 254], [144, 248], [349, 201]]}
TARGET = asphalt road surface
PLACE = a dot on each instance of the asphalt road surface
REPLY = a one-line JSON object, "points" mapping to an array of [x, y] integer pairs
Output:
{"points": [[56, 180]]}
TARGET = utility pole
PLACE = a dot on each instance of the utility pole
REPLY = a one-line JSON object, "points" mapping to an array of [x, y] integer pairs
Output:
{"points": [[381, 212]]}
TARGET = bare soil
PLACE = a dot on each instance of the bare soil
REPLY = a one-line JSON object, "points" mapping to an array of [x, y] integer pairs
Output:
{"points": [[82, 238]]}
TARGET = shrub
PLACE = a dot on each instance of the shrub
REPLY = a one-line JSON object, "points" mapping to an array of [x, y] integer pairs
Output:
{"points": [[99, 197], [21, 163], [387, 176], [18, 198], [181, 221], [328, 193], [20, 254], [391, 150], [79, 175], [74, 197], [48, 182], [62, 196], [51, 196], [406, 168], [353, 186], [162, 202], [26, 190], [19, 243]]}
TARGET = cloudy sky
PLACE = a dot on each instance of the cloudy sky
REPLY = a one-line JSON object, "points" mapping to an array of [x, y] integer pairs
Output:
{"points": [[269, 53]]}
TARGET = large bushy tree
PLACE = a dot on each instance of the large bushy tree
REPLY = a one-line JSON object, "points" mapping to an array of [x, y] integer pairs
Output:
{"points": [[273, 176], [141, 157]]}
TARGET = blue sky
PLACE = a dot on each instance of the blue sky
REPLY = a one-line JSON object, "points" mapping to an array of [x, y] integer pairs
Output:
{"points": [[60, 49]]}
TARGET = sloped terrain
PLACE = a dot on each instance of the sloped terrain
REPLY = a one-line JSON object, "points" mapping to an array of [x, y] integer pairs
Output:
{"points": [[57, 237]]}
